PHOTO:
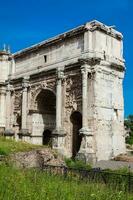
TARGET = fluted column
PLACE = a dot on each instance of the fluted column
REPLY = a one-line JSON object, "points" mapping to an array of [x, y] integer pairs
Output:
{"points": [[25, 86], [58, 133]]}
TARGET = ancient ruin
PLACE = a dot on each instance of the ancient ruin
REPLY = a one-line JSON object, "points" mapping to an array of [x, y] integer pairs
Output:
{"points": [[67, 92]]}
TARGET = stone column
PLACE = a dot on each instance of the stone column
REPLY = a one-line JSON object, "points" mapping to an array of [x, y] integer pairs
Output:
{"points": [[86, 152], [2, 107], [8, 130], [58, 133], [8, 105], [58, 102], [84, 71], [25, 85]]}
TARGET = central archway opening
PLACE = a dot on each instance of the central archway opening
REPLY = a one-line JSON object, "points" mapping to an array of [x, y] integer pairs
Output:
{"points": [[76, 120], [46, 107], [46, 102]]}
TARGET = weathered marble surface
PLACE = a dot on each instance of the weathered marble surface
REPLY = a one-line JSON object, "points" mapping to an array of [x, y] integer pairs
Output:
{"points": [[78, 71]]}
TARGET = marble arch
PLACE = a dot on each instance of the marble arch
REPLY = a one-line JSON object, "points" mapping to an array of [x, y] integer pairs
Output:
{"points": [[85, 69]]}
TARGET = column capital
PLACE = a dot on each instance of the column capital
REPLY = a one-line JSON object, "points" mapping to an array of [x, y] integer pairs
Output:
{"points": [[60, 73], [91, 61], [25, 82], [3, 90], [9, 88], [85, 68]]}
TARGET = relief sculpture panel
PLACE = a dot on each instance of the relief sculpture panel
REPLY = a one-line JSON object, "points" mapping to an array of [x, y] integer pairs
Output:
{"points": [[73, 93], [17, 100]]}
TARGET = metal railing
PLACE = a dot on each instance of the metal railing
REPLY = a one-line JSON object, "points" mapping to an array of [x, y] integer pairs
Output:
{"points": [[119, 181]]}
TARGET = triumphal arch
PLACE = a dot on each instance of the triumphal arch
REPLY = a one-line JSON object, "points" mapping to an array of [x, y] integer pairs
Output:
{"points": [[66, 92]]}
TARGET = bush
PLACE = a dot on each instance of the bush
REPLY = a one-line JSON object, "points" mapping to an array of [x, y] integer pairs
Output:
{"points": [[129, 126], [129, 140]]}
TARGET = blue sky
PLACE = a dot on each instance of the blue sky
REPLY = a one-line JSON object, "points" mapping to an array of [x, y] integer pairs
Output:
{"points": [[25, 22]]}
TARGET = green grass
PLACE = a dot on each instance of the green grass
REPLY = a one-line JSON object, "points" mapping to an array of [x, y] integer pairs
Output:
{"points": [[22, 184], [16, 184], [8, 146], [77, 164]]}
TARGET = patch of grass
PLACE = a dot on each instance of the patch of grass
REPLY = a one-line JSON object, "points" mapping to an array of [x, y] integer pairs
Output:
{"points": [[122, 171], [77, 164], [8, 146], [37, 185]]}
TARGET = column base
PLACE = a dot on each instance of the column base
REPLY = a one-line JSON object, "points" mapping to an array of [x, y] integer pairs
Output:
{"points": [[9, 132], [59, 132], [24, 132], [85, 131], [58, 140], [2, 130], [86, 157], [87, 151]]}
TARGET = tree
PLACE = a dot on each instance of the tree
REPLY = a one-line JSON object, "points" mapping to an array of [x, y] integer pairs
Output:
{"points": [[129, 127]]}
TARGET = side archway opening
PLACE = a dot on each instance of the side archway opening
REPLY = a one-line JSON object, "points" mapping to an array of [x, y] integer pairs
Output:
{"points": [[76, 120], [47, 137]]}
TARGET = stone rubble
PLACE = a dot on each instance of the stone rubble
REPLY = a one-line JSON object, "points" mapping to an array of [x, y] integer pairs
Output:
{"points": [[36, 158]]}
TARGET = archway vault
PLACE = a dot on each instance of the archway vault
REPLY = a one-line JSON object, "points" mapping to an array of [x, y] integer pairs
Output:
{"points": [[46, 101], [36, 90]]}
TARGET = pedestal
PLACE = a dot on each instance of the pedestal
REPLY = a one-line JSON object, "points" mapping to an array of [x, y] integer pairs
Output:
{"points": [[86, 152], [58, 140]]}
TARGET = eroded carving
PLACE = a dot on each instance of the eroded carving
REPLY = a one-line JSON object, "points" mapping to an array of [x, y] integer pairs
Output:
{"points": [[73, 92], [17, 100]]}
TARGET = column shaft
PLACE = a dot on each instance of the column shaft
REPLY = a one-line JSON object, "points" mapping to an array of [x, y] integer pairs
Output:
{"points": [[84, 71], [24, 108], [8, 109], [9, 129], [84, 99], [25, 86], [58, 104], [2, 108]]}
